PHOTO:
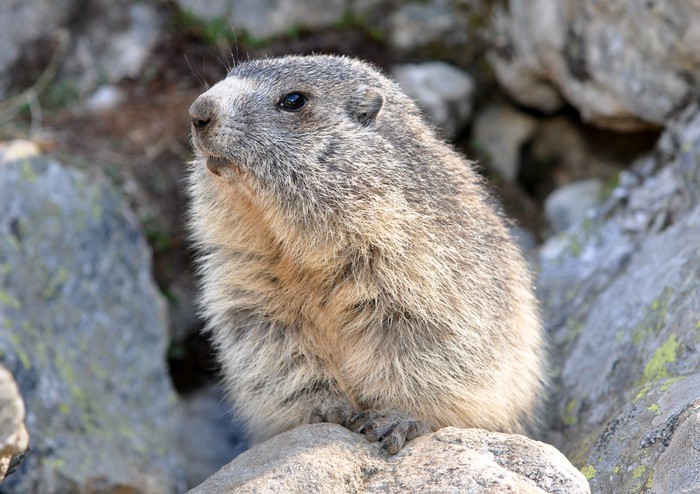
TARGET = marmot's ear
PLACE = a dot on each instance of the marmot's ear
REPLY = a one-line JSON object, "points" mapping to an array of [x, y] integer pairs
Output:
{"points": [[366, 104]]}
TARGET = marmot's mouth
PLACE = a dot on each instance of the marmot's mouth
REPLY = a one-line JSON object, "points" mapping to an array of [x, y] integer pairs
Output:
{"points": [[216, 163]]}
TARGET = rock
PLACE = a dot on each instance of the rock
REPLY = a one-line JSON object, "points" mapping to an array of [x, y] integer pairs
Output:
{"points": [[621, 297], [17, 149], [270, 18], [106, 98], [92, 42], [500, 131], [623, 65], [83, 330], [569, 203], [14, 438], [442, 91], [328, 458], [417, 24], [208, 438]]}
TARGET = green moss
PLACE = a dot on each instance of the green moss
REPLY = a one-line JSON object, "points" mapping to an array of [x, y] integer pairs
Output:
{"points": [[670, 382], [62, 93], [665, 354], [7, 299], [16, 343], [616, 469], [27, 172], [642, 392], [638, 472], [158, 237], [608, 187], [588, 471], [575, 247], [619, 336], [97, 212], [569, 416], [5, 268], [655, 318], [654, 408], [578, 457], [53, 462], [214, 31], [649, 481], [55, 282], [575, 328]]}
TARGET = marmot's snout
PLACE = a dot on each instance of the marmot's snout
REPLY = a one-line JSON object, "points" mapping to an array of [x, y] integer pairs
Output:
{"points": [[201, 113]]}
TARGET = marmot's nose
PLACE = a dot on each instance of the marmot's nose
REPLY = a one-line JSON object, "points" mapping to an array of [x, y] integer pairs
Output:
{"points": [[202, 112]]}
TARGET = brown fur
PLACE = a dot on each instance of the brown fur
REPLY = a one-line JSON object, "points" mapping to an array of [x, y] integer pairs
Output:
{"points": [[351, 261]]}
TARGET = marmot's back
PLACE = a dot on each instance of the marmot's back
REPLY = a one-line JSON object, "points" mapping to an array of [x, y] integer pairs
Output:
{"points": [[352, 262]]}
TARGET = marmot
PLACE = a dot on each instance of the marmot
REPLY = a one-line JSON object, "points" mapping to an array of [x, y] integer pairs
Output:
{"points": [[353, 267]]}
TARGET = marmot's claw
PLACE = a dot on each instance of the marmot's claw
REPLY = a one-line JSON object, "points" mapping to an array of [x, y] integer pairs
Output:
{"points": [[391, 429], [335, 414]]}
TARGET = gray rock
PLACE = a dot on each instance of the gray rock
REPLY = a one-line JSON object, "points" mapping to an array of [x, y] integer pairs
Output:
{"points": [[83, 330], [329, 458], [208, 437], [106, 98], [417, 24], [23, 23], [621, 296], [443, 91], [14, 438], [270, 18], [623, 65], [93, 41], [568, 204], [500, 131]]}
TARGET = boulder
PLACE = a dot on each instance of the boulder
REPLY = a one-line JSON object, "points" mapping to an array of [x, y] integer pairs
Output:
{"points": [[83, 330], [620, 292], [570, 202], [329, 458], [500, 132], [417, 24], [623, 65], [444, 93], [86, 42], [208, 437], [271, 18]]}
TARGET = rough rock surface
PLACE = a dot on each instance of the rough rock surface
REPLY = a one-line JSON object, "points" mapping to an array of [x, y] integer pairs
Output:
{"points": [[443, 91], [623, 65], [621, 296], [83, 330], [207, 436], [500, 131], [93, 41], [14, 438], [570, 202], [418, 24], [269, 18], [328, 458]]}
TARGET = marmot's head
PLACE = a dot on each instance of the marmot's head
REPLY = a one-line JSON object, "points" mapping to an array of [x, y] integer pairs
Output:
{"points": [[320, 133]]}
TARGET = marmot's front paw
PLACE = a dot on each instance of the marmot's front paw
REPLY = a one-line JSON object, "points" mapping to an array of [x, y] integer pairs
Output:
{"points": [[392, 429]]}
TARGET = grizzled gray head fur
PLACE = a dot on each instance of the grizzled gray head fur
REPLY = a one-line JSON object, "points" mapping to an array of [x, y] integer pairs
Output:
{"points": [[321, 135]]}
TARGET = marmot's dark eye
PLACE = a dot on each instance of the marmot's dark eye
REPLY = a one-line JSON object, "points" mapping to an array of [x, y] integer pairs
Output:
{"points": [[292, 102]]}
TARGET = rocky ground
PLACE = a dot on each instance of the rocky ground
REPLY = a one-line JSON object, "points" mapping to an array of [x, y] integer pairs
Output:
{"points": [[581, 115]]}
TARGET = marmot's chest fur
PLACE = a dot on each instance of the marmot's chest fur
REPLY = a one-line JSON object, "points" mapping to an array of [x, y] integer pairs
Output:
{"points": [[353, 269]]}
